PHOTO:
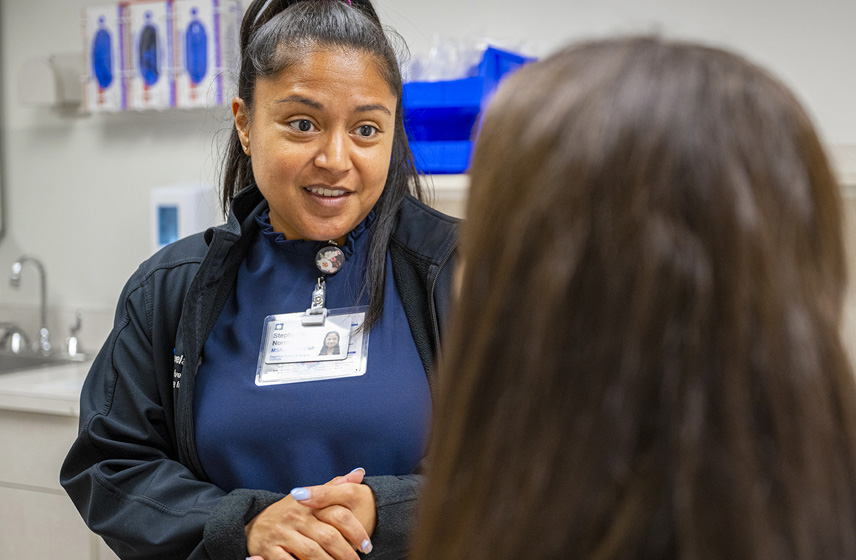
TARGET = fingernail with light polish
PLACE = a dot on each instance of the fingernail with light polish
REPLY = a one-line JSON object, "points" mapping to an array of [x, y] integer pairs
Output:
{"points": [[358, 469], [366, 546], [301, 494]]}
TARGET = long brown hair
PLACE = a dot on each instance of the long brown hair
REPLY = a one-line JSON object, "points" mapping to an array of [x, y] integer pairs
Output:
{"points": [[645, 359]]}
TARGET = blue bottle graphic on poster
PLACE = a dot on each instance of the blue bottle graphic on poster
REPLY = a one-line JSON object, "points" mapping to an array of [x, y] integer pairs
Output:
{"points": [[102, 58], [148, 53], [196, 51]]}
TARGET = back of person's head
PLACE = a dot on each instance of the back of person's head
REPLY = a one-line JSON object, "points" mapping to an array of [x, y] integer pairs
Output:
{"points": [[645, 359]]}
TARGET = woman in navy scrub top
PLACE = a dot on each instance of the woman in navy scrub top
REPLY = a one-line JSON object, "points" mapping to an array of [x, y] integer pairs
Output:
{"points": [[213, 424]]}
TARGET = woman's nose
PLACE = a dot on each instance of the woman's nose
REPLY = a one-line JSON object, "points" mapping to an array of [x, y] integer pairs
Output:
{"points": [[334, 154]]}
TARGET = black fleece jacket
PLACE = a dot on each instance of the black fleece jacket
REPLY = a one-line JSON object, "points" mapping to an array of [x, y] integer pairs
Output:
{"points": [[134, 472]]}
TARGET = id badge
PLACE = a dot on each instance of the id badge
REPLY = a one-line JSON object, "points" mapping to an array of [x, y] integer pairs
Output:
{"points": [[293, 353]]}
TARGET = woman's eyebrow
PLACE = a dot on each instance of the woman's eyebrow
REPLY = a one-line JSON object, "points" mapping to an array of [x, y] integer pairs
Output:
{"points": [[294, 98], [373, 107], [301, 99]]}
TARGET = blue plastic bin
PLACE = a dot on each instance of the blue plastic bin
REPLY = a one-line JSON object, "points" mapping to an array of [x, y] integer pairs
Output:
{"points": [[440, 116]]}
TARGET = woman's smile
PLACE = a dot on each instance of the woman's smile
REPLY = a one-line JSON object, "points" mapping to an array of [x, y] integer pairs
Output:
{"points": [[327, 192]]}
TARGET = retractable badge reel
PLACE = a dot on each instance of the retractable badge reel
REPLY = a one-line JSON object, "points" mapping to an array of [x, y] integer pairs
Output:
{"points": [[329, 261]]}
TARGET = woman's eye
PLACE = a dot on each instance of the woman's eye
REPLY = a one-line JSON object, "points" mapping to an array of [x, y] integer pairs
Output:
{"points": [[303, 125], [367, 131]]}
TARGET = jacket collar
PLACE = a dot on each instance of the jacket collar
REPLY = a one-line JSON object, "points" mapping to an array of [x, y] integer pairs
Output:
{"points": [[425, 231], [246, 205], [418, 225]]}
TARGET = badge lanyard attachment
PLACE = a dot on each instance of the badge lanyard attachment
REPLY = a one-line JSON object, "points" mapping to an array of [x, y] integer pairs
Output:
{"points": [[329, 261]]}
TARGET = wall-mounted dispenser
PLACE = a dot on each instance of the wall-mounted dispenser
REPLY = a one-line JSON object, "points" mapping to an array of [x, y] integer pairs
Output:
{"points": [[159, 54], [181, 210], [103, 38], [151, 80], [206, 43]]}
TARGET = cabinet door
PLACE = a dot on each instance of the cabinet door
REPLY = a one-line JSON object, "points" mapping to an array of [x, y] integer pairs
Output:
{"points": [[33, 447], [37, 519], [42, 525]]}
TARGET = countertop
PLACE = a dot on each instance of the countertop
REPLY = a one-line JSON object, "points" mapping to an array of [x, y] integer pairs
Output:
{"points": [[52, 389]]}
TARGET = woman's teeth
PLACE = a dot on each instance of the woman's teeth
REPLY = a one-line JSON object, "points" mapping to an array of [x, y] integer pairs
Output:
{"points": [[320, 191]]}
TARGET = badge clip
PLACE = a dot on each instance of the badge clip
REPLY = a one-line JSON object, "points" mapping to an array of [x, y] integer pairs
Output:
{"points": [[316, 315]]}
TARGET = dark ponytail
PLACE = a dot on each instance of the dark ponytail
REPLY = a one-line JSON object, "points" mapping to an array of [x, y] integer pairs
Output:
{"points": [[275, 34]]}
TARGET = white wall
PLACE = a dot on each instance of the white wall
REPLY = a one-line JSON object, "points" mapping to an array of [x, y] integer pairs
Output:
{"points": [[77, 186], [809, 44]]}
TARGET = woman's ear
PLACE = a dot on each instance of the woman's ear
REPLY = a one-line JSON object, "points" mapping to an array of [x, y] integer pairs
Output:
{"points": [[242, 123]]}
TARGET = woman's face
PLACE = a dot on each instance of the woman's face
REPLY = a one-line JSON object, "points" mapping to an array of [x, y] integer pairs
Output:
{"points": [[332, 340], [320, 138]]}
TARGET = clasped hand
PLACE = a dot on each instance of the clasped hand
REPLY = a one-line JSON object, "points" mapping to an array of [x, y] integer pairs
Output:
{"points": [[326, 522]]}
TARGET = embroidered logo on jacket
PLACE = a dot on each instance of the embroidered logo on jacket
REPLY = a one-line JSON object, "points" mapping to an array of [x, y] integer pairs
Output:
{"points": [[176, 373]]}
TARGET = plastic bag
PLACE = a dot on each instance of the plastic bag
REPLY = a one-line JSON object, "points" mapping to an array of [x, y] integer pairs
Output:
{"points": [[452, 58]]}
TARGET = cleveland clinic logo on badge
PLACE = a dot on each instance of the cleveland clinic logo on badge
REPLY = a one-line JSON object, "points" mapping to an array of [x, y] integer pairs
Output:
{"points": [[277, 341]]}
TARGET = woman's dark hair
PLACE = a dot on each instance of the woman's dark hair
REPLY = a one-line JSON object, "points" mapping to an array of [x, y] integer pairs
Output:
{"points": [[645, 358], [277, 33]]}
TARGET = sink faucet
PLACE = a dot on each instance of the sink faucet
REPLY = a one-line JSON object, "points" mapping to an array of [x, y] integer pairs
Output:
{"points": [[72, 343], [14, 339], [15, 281]]}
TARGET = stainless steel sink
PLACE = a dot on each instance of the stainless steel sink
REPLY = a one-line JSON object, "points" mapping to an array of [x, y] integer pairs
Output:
{"points": [[18, 362]]}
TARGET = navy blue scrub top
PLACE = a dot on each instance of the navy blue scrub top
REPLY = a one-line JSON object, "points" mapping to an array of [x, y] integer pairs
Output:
{"points": [[276, 437]]}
